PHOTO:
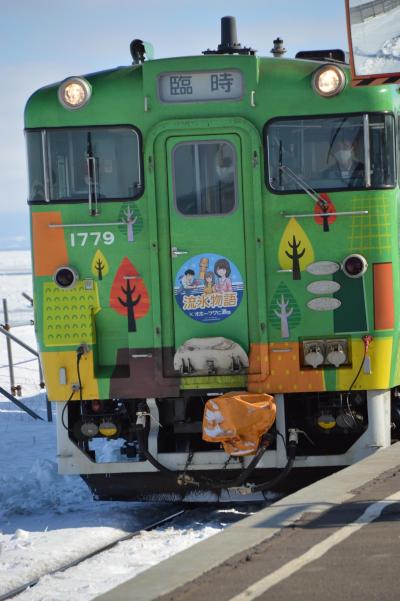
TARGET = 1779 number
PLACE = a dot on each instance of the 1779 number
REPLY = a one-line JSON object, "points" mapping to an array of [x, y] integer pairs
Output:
{"points": [[82, 238]]}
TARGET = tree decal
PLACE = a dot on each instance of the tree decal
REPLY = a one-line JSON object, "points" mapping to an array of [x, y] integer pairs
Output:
{"points": [[330, 208], [284, 311], [295, 249], [133, 222], [129, 294], [295, 256], [99, 265]]}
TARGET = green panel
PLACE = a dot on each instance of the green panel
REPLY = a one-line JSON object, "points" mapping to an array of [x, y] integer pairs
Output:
{"points": [[351, 315], [109, 338]]}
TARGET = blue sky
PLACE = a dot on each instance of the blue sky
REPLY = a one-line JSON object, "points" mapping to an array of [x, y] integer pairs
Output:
{"points": [[43, 41]]}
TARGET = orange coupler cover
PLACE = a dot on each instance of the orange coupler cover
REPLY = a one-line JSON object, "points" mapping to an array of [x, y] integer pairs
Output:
{"points": [[238, 420]]}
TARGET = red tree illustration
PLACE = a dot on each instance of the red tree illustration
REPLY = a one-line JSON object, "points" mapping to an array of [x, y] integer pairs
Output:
{"points": [[330, 208], [129, 294]]}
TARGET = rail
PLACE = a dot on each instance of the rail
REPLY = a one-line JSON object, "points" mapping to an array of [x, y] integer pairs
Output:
{"points": [[160, 522]]}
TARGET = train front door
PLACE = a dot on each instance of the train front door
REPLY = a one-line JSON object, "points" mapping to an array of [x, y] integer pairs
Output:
{"points": [[211, 265], [207, 245]]}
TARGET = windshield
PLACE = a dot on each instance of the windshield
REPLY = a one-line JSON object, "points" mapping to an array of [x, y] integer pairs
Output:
{"points": [[331, 152], [64, 163]]}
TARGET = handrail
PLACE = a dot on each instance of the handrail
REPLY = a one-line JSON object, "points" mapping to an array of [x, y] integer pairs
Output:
{"points": [[28, 348], [19, 404], [4, 331]]}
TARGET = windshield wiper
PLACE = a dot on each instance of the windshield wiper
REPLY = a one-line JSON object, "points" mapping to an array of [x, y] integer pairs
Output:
{"points": [[321, 202], [92, 175]]}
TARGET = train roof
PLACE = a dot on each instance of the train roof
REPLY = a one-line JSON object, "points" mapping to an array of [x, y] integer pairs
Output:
{"points": [[121, 93]]}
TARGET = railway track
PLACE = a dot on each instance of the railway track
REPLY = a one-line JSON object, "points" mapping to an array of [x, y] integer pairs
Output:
{"points": [[23, 587]]}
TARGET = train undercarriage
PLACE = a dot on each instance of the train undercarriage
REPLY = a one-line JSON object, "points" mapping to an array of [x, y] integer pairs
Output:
{"points": [[153, 448]]}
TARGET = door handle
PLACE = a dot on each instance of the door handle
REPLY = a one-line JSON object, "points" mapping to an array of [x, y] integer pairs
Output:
{"points": [[175, 252]]}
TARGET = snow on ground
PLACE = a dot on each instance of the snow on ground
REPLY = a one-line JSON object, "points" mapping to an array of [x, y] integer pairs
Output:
{"points": [[124, 561], [47, 520], [376, 44]]}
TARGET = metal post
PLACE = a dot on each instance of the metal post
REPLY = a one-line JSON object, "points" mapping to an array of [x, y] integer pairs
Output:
{"points": [[9, 349], [42, 385], [48, 407]]}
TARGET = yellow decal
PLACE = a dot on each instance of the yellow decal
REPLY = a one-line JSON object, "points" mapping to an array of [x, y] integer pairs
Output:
{"points": [[295, 249], [397, 372], [99, 265], [68, 315], [380, 353]]}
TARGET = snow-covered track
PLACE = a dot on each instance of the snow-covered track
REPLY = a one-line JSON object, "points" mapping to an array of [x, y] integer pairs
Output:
{"points": [[20, 589]]}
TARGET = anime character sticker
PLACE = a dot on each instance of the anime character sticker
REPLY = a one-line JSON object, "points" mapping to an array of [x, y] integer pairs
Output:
{"points": [[222, 269], [209, 282], [208, 288]]}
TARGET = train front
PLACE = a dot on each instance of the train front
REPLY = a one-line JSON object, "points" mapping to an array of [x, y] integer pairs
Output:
{"points": [[213, 306]]}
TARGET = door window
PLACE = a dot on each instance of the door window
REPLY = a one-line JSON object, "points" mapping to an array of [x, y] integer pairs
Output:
{"points": [[204, 175]]}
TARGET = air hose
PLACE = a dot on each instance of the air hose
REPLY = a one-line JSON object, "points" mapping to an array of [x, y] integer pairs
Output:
{"points": [[201, 482], [207, 483], [291, 454], [244, 474], [141, 438]]}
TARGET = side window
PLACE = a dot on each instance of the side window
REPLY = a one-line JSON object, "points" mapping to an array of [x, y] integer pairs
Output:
{"points": [[382, 145], [68, 163], [35, 166], [204, 175]]}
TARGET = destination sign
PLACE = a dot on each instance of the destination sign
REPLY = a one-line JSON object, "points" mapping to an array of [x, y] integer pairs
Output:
{"points": [[201, 86]]}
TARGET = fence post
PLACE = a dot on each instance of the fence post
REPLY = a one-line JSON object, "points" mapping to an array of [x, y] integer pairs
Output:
{"points": [[9, 349]]}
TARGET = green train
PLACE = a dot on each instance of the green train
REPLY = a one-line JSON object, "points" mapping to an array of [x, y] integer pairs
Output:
{"points": [[216, 268]]}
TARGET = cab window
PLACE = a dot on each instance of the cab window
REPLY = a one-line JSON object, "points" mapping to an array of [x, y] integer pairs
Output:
{"points": [[67, 164], [338, 152]]}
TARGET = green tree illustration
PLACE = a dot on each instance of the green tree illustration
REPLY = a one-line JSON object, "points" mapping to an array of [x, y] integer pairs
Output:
{"points": [[132, 221], [284, 313]]}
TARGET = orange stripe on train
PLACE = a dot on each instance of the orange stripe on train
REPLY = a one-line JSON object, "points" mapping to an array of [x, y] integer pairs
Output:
{"points": [[49, 248], [383, 296]]}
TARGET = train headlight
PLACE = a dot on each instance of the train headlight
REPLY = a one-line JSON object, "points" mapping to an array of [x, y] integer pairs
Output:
{"points": [[354, 266], [74, 93], [65, 277], [328, 80]]}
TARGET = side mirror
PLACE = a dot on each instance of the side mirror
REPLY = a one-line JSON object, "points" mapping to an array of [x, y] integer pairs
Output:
{"points": [[373, 31]]}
